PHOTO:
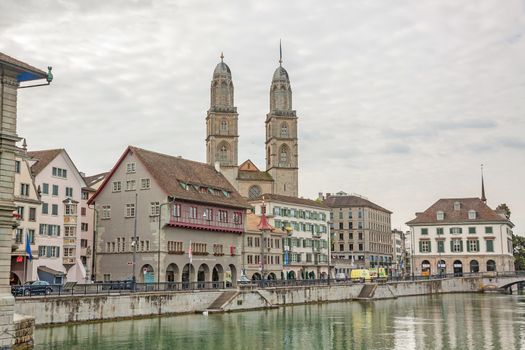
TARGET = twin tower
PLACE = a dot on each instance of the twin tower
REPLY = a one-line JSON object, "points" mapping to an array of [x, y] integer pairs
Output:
{"points": [[281, 174]]}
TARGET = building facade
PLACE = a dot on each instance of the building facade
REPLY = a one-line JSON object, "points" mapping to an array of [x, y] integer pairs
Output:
{"points": [[360, 231], [304, 224], [399, 255], [59, 239], [28, 208], [461, 235], [199, 215], [222, 135]]}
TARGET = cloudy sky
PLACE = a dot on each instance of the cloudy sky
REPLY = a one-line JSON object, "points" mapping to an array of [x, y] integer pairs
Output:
{"points": [[399, 101]]}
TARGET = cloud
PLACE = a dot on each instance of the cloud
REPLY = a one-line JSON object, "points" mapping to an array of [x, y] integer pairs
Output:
{"points": [[394, 101]]}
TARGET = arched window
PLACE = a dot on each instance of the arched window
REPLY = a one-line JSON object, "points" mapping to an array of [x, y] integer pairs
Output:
{"points": [[474, 266], [224, 126], [254, 192], [491, 266], [223, 154], [283, 155], [284, 130]]}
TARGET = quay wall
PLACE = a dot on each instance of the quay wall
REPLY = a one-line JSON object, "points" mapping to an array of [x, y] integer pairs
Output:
{"points": [[52, 310]]}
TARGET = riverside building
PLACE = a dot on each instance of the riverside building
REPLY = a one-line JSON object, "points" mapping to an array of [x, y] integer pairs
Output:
{"points": [[461, 235], [360, 230], [304, 226], [167, 219]]}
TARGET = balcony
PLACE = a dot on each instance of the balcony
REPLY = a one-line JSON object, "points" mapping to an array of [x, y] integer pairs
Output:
{"points": [[204, 224], [70, 241], [69, 260], [70, 219]]}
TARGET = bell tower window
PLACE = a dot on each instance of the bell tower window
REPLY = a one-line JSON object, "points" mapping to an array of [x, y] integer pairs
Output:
{"points": [[224, 126], [283, 155], [284, 130], [254, 192], [223, 154]]}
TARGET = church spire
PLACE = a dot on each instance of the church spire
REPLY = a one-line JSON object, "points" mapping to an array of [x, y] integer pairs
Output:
{"points": [[280, 54], [483, 198]]}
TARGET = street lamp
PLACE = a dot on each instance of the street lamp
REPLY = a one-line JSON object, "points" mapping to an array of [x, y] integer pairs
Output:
{"points": [[171, 200]]}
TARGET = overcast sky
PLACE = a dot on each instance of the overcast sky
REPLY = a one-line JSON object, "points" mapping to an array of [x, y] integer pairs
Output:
{"points": [[399, 101]]}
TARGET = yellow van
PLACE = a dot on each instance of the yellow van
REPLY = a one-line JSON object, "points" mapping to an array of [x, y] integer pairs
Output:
{"points": [[360, 275]]}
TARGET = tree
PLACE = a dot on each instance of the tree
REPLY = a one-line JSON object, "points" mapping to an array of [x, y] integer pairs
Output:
{"points": [[518, 244], [503, 207]]}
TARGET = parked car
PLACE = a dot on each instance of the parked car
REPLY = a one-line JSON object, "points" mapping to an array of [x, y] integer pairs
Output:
{"points": [[341, 276], [32, 288]]}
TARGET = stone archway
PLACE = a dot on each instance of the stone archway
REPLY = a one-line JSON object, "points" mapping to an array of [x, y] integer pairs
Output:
{"points": [[442, 267], [217, 276], [203, 276], [172, 273], [14, 279], [188, 276], [271, 276], [425, 268], [147, 274], [256, 276], [458, 268], [291, 275], [231, 277], [491, 266], [474, 266]]}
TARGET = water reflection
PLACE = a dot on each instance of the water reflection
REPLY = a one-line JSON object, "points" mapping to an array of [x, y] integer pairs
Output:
{"points": [[460, 321]]}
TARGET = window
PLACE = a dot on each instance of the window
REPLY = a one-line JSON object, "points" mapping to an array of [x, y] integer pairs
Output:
{"points": [[192, 212], [69, 192], [19, 236], [32, 214], [208, 214], [341, 247], [84, 226], [472, 245], [70, 231], [283, 154], [154, 209], [54, 209], [217, 249], [45, 188], [490, 245], [284, 130], [472, 214], [17, 166], [456, 246], [130, 210], [83, 243], [441, 246], [360, 235], [360, 225], [58, 172], [20, 212], [106, 212], [24, 190], [471, 230], [130, 167], [457, 205], [439, 230], [49, 230], [237, 218], [440, 215], [117, 186], [351, 247], [83, 211], [224, 126], [145, 184], [424, 247], [223, 154], [131, 185], [223, 216], [176, 210], [85, 195], [31, 234], [488, 229], [341, 236], [174, 246], [70, 209], [456, 230], [254, 192], [424, 231], [45, 208], [55, 190], [360, 247]]}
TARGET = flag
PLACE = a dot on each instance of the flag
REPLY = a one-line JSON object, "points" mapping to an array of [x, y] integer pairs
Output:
{"points": [[28, 248], [190, 254]]}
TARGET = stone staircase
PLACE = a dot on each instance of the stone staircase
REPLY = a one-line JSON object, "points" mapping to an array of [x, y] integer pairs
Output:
{"points": [[223, 299], [367, 292]]}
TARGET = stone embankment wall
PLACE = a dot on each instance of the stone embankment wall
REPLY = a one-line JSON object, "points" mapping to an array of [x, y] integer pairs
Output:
{"points": [[67, 309], [24, 327]]}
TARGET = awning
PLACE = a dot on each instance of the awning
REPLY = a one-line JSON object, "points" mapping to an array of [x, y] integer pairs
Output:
{"points": [[50, 271]]}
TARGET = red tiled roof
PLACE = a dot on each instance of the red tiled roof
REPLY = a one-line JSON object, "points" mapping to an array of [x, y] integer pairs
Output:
{"points": [[446, 205], [90, 180], [170, 172], [290, 199], [352, 201], [43, 158]]}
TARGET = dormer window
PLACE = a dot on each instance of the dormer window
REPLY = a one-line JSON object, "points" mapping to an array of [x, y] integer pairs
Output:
{"points": [[471, 214], [440, 215], [457, 205]]}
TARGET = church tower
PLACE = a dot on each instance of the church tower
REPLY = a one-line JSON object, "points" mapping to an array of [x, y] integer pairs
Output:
{"points": [[281, 135], [221, 123]]}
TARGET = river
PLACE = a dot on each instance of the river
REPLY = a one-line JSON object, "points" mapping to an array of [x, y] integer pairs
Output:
{"points": [[452, 321]]}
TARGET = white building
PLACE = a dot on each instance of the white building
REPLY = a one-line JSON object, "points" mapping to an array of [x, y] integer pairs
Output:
{"points": [[461, 235], [306, 248], [58, 243]]}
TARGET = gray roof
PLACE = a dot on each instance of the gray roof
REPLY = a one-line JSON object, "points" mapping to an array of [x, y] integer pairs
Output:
{"points": [[222, 69], [280, 74], [351, 202]]}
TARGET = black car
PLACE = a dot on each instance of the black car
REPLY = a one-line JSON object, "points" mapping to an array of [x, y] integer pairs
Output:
{"points": [[32, 288]]}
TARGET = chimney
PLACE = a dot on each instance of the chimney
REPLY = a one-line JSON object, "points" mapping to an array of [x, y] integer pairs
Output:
{"points": [[320, 196], [218, 167]]}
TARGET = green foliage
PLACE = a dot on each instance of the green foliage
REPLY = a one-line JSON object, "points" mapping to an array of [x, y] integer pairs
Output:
{"points": [[518, 244], [504, 207]]}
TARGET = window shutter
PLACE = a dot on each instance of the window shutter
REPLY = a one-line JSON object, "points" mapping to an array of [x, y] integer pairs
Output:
{"points": [[48, 252], [420, 246], [451, 246], [41, 230], [429, 246], [477, 246], [58, 230], [461, 246], [468, 246], [58, 252]]}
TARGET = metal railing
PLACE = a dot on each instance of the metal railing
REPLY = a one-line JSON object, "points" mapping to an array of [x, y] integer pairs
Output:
{"points": [[126, 287]]}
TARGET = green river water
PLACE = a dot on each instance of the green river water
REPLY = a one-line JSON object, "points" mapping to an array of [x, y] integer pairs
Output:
{"points": [[453, 321]]}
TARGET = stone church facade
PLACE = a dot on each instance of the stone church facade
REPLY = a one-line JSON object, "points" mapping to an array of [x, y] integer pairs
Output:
{"points": [[222, 135]]}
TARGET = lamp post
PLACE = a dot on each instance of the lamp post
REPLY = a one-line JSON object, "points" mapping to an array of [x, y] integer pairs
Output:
{"points": [[170, 201]]}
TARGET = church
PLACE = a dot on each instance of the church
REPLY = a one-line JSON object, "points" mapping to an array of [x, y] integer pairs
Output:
{"points": [[222, 137]]}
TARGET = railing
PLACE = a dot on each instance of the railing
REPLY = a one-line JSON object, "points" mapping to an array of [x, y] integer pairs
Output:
{"points": [[206, 224], [126, 287]]}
